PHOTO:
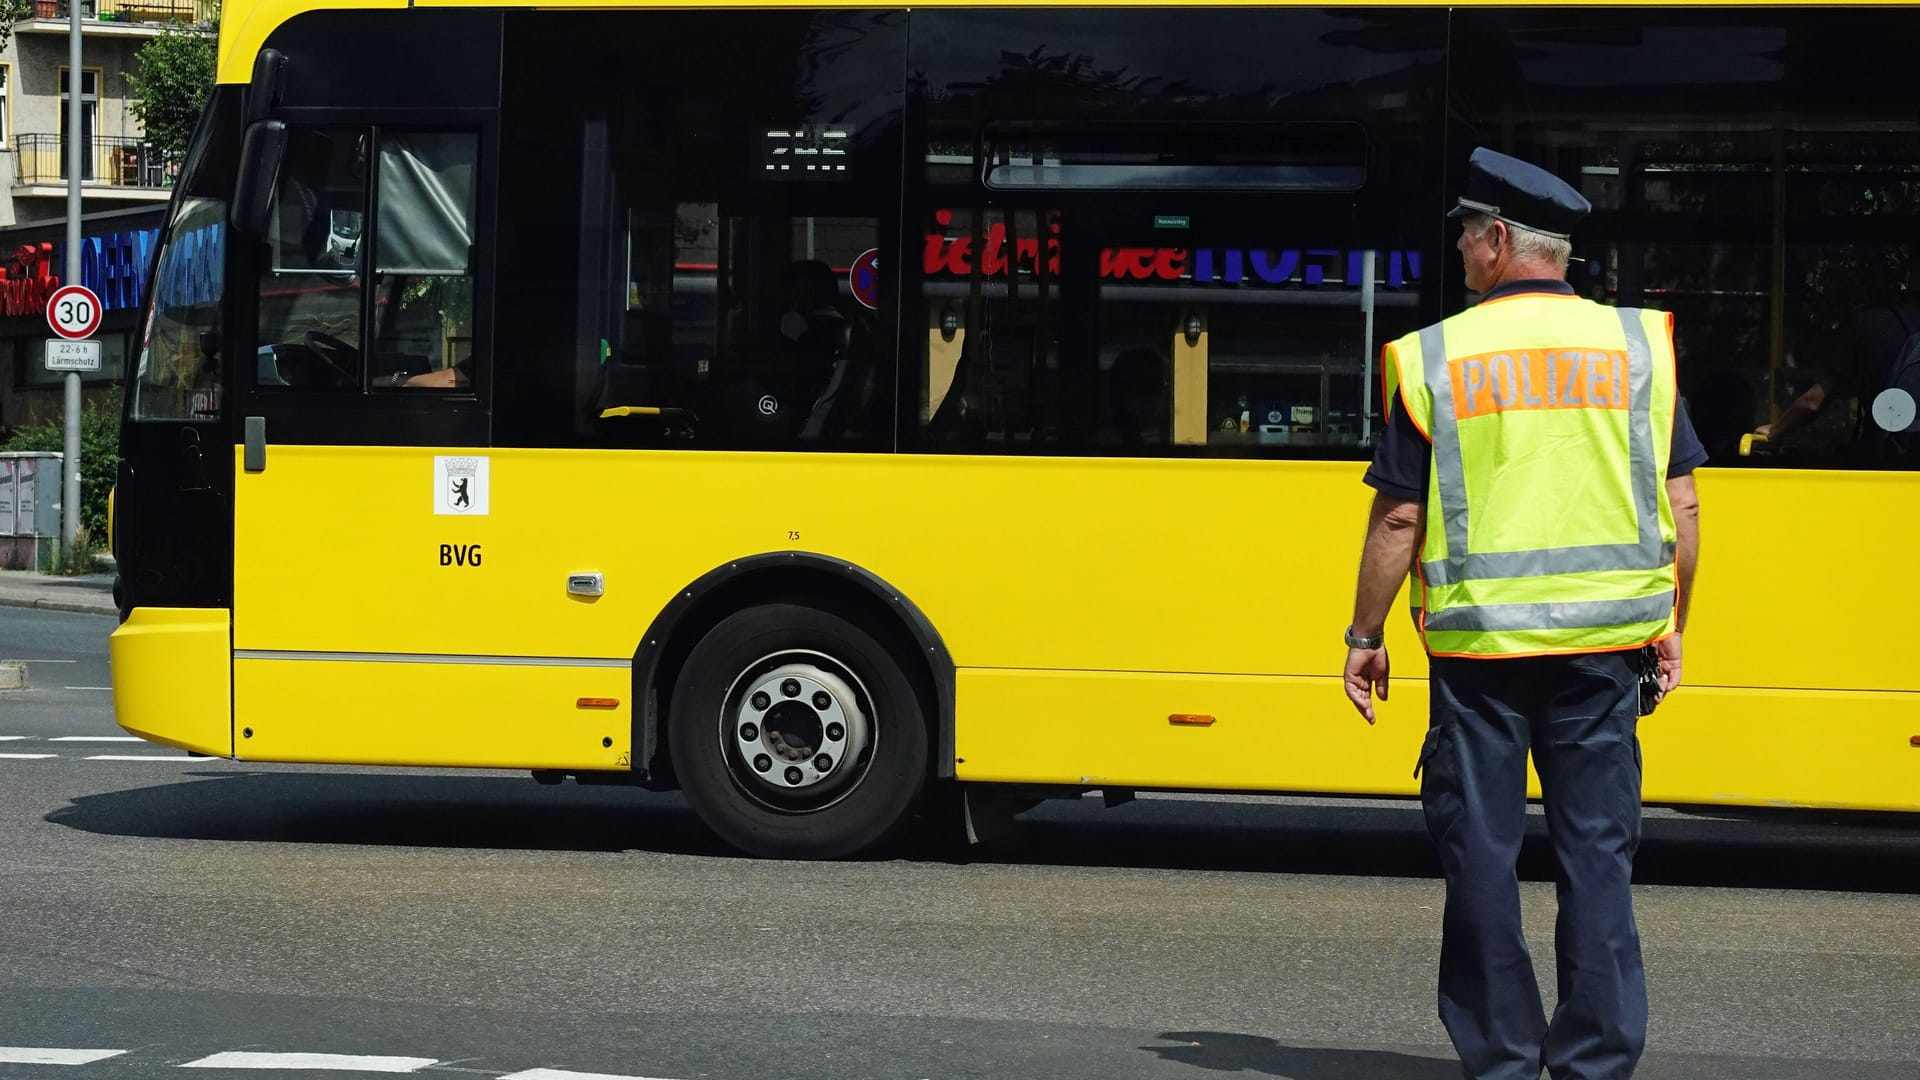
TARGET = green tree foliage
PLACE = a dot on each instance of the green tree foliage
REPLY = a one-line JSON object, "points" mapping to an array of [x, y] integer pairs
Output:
{"points": [[170, 85], [99, 459], [12, 11]]}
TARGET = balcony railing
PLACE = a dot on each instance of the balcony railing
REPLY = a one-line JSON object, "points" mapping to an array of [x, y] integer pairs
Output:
{"points": [[191, 12], [106, 159]]}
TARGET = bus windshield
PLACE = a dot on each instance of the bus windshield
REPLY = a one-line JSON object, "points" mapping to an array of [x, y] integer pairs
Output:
{"points": [[178, 375], [179, 368]]}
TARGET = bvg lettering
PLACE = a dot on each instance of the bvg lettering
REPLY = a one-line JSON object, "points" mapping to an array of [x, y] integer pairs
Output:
{"points": [[459, 554], [1548, 379]]}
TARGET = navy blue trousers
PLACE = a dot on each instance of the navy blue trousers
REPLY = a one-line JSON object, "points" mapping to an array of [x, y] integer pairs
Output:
{"points": [[1578, 715]]}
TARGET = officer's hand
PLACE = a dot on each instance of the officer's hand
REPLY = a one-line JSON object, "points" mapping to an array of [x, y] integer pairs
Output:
{"points": [[1668, 652], [1366, 674], [1765, 431]]}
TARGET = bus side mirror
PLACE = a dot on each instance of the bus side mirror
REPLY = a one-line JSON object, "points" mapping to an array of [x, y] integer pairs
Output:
{"points": [[261, 156], [263, 93]]}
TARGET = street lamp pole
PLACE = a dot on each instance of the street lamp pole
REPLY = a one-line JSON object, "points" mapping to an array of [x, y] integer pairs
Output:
{"points": [[70, 497]]}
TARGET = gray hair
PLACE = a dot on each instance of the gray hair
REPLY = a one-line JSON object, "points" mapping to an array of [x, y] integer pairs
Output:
{"points": [[1528, 244]]}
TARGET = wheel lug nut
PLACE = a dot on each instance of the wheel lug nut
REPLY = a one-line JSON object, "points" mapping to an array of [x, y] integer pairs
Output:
{"points": [[793, 776], [761, 763], [790, 688], [836, 732], [749, 732], [823, 763], [822, 701], [761, 701]]}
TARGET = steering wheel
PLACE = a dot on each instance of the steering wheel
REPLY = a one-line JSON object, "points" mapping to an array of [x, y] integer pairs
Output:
{"points": [[343, 358]]}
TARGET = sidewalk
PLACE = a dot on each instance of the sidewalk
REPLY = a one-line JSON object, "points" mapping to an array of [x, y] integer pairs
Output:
{"points": [[90, 594]]}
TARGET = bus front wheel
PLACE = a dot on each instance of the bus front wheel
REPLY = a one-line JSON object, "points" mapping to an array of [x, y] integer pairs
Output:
{"points": [[797, 734]]}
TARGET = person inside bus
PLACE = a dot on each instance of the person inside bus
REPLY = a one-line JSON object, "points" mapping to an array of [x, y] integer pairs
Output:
{"points": [[818, 353], [1855, 364], [455, 377]]}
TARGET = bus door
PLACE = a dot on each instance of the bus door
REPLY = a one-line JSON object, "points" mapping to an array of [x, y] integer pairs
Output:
{"points": [[363, 443]]}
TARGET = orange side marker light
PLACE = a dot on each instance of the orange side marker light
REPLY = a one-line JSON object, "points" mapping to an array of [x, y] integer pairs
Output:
{"points": [[1190, 720], [599, 703]]}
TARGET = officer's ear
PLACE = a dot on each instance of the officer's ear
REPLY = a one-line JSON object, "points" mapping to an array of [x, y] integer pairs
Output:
{"points": [[1497, 236]]}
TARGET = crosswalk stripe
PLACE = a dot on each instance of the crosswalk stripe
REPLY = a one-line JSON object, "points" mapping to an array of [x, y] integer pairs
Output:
{"points": [[245, 1059], [569, 1075], [565, 1074], [53, 1055]]}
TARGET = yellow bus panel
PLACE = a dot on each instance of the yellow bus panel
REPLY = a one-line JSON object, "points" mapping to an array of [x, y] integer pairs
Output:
{"points": [[367, 712], [173, 678], [1704, 745]]}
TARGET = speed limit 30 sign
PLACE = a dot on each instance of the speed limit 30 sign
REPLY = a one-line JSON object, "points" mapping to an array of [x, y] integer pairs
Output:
{"points": [[73, 312]]}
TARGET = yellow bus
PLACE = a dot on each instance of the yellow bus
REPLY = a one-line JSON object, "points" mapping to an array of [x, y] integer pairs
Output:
{"points": [[821, 410]]}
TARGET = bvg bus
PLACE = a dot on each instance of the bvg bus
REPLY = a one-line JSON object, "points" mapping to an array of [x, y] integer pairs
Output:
{"points": [[821, 409]]}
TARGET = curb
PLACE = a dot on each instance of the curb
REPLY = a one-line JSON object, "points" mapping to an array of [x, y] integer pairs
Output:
{"points": [[13, 675], [69, 606]]}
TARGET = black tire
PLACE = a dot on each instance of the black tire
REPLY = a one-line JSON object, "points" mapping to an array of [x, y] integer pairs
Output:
{"points": [[840, 810]]}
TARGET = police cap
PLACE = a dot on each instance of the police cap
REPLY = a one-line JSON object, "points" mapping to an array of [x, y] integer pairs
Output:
{"points": [[1520, 194]]}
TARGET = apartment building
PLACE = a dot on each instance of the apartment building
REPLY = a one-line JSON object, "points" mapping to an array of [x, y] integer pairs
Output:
{"points": [[125, 186]]}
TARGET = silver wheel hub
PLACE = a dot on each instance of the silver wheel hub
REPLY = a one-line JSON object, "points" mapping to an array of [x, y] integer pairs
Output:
{"points": [[799, 727]]}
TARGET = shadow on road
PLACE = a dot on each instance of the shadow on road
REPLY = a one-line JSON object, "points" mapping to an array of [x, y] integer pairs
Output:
{"points": [[395, 810], [1783, 851], [1224, 1052]]}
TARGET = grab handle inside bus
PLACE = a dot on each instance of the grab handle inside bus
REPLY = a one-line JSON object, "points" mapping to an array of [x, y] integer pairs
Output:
{"points": [[261, 155]]}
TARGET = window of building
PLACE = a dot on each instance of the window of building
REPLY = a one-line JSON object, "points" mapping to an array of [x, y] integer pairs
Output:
{"points": [[90, 151], [6, 107]]}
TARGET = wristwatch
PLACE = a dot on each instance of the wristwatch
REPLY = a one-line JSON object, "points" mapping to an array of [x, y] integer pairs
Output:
{"points": [[1373, 642]]}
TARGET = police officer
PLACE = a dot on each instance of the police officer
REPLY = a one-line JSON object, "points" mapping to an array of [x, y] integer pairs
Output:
{"points": [[1535, 474]]}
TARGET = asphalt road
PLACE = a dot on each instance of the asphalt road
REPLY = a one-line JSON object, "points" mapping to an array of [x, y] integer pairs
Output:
{"points": [[463, 922]]}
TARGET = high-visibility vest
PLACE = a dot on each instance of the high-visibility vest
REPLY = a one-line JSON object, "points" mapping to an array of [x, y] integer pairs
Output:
{"points": [[1548, 528]]}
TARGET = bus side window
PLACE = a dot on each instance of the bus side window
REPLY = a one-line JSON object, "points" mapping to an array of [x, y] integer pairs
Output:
{"points": [[310, 281], [423, 260]]}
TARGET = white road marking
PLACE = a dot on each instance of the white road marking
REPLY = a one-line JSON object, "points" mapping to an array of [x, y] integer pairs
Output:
{"points": [[52, 661], [564, 1074], [90, 688], [238, 1059], [11, 738], [53, 1055], [142, 757], [26, 757], [97, 738]]}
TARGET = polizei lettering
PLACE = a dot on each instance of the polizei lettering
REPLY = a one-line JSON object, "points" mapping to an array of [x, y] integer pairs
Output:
{"points": [[1539, 379]]}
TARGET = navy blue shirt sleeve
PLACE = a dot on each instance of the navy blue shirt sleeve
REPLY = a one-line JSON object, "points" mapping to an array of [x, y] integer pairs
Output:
{"points": [[1688, 453], [1403, 456]]}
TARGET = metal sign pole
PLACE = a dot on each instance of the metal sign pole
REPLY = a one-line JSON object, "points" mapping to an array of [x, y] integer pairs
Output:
{"points": [[70, 499]]}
